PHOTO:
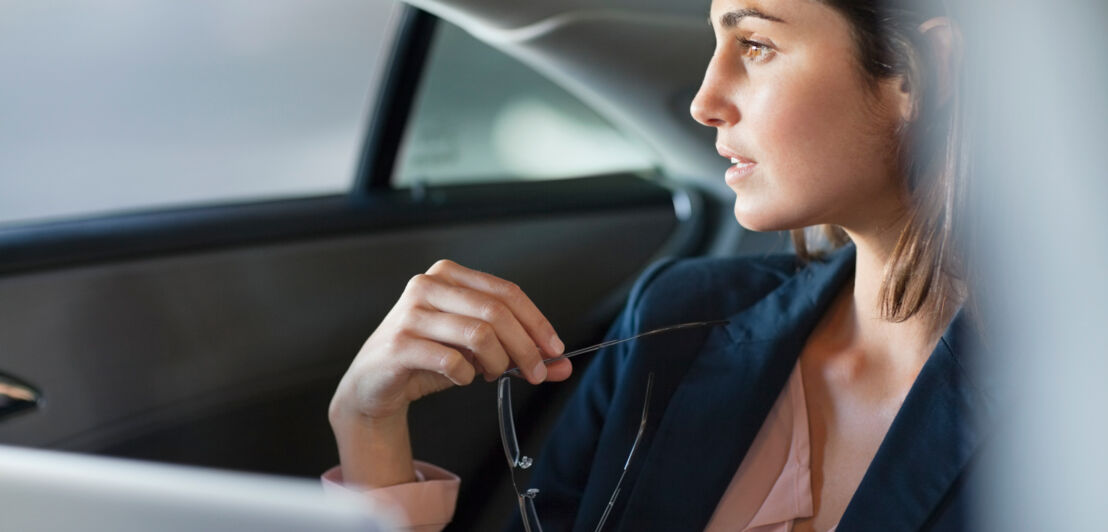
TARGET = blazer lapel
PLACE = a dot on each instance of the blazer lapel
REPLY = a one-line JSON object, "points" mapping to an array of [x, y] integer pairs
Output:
{"points": [[723, 399], [930, 442]]}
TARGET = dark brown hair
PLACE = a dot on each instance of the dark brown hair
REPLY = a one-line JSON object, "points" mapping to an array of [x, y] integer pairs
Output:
{"points": [[924, 273]]}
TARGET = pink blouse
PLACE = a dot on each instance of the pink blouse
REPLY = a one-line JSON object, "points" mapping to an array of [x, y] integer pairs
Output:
{"points": [[773, 486], [771, 489]]}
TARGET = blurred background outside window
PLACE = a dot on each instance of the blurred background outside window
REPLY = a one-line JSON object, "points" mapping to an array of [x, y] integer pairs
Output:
{"points": [[483, 116]]}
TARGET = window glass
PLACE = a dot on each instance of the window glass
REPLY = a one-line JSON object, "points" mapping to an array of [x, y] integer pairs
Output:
{"points": [[132, 104], [481, 115]]}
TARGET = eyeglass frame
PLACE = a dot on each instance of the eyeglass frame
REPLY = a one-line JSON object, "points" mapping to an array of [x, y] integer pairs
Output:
{"points": [[510, 441]]}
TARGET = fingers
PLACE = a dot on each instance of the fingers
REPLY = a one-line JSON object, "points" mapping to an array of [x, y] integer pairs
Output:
{"points": [[493, 319], [426, 355], [522, 308], [465, 354], [471, 335], [559, 370], [480, 323]]}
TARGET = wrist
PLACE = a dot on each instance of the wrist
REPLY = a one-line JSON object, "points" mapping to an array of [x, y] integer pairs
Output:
{"points": [[364, 431], [373, 452], [346, 409]]}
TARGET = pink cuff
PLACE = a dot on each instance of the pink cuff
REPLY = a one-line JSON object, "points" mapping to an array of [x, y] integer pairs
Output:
{"points": [[425, 506]]}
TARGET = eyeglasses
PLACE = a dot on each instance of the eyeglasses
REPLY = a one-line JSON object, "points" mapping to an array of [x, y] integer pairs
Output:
{"points": [[518, 462]]}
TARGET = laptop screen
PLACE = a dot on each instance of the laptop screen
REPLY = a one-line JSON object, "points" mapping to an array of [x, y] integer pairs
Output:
{"points": [[49, 490]]}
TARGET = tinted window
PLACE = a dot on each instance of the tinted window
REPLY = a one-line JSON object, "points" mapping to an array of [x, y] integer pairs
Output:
{"points": [[122, 105]]}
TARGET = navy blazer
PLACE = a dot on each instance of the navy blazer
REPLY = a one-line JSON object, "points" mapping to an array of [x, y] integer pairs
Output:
{"points": [[714, 387]]}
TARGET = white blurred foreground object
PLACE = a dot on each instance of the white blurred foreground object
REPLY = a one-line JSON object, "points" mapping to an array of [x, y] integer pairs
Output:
{"points": [[48, 491], [1042, 113]]}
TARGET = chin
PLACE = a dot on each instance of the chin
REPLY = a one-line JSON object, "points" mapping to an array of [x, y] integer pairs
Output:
{"points": [[763, 220]]}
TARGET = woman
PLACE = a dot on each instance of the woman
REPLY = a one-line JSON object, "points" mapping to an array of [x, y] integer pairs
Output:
{"points": [[834, 397]]}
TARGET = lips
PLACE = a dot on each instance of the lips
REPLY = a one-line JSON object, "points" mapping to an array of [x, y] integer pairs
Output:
{"points": [[734, 156], [741, 166]]}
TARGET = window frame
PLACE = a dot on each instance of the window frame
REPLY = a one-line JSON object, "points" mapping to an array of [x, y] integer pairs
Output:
{"points": [[395, 99]]}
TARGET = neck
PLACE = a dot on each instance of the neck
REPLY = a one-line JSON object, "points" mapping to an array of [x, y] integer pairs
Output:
{"points": [[874, 251], [890, 344]]}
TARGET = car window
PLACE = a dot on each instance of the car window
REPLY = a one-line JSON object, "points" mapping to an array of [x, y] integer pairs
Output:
{"points": [[481, 116], [122, 105]]}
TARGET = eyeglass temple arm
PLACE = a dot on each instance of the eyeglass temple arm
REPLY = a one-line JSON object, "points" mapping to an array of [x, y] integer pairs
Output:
{"points": [[516, 373], [630, 455]]}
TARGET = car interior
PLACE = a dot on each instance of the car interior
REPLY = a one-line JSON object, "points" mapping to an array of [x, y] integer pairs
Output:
{"points": [[214, 334]]}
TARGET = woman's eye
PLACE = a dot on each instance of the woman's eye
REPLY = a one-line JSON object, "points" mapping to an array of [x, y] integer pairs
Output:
{"points": [[756, 51]]}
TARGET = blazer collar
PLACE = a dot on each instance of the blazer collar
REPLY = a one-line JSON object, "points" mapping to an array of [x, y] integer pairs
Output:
{"points": [[723, 399], [931, 441]]}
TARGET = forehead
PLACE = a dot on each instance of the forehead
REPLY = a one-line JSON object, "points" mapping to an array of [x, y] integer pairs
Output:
{"points": [[728, 13]]}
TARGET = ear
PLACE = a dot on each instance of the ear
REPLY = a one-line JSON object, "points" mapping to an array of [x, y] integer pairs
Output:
{"points": [[905, 101], [945, 43]]}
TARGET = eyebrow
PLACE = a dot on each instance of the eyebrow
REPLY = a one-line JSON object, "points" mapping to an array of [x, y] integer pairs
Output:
{"points": [[731, 19]]}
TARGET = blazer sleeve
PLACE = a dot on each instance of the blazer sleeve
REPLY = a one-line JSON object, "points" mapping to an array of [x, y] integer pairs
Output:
{"points": [[562, 470]]}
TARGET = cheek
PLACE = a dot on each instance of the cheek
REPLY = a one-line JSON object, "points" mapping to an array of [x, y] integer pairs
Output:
{"points": [[812, 126], [816, 142]]}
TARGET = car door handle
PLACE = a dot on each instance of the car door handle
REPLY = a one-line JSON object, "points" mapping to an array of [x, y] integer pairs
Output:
{"points": [[17, 396]]}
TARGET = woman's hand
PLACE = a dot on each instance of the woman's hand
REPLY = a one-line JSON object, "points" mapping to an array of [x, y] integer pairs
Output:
{"points": [[450, 324]]}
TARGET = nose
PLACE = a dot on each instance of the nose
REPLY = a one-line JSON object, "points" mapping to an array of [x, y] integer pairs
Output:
{"points": [[714, 105]]}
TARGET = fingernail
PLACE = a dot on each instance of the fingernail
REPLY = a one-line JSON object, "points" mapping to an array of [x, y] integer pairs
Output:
{"points": [[539, 371], [557, 345]]}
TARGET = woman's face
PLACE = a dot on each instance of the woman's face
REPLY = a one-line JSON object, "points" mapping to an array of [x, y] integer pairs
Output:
{"points": [[814, 143]]}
